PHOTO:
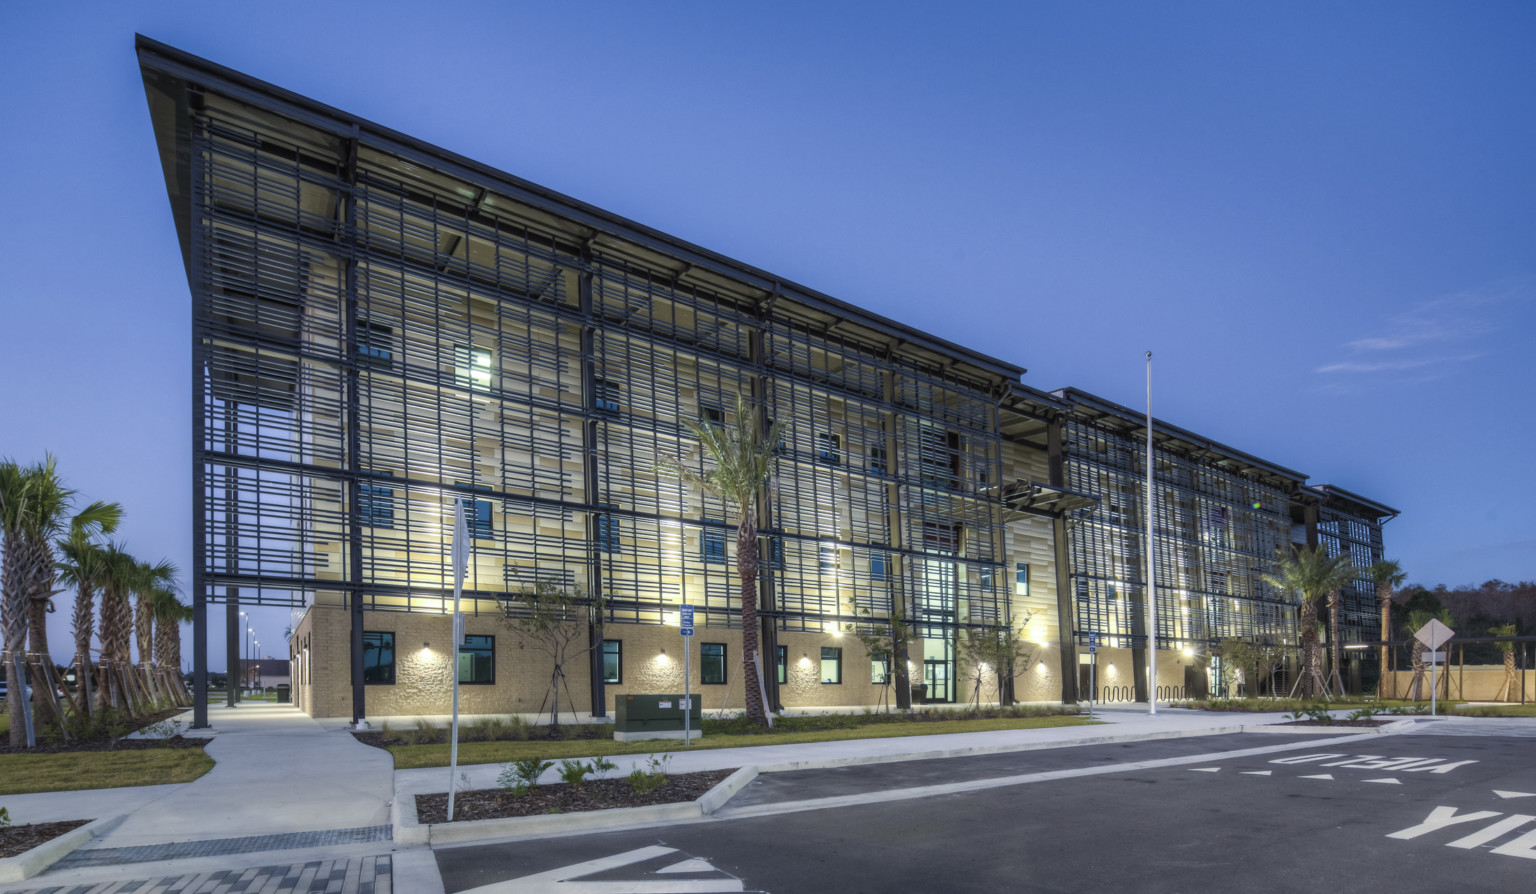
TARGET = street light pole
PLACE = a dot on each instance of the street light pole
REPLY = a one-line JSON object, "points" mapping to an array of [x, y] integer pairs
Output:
{"points": [[1151, 559]]}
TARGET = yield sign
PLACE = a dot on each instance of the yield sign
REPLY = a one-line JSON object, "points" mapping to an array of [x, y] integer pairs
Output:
{"points": [[1434, 634], [569, 879]]}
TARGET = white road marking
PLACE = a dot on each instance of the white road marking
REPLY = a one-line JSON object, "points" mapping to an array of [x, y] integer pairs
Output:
{"points": [[1441, 817], [1478, 839], [1205, 770], [1514, 794], [565, 880], [694, 865], [1524, 846], [1376, 762], [1258, 772], [1388, 780], [1328, 776]]}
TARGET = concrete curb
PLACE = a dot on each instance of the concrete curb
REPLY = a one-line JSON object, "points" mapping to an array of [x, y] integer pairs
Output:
{"points": [[25, 865], [1396, 726], [409, 831]]}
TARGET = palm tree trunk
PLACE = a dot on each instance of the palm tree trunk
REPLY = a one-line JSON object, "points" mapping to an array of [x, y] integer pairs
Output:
{"points": [[1310, 677], [84, 621], [746, 569], [24, 565], [46, 703], [1416, 685], [1384, 597]]}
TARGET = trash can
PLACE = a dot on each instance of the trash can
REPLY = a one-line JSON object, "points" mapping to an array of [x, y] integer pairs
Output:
{"points": [[283, 691]]}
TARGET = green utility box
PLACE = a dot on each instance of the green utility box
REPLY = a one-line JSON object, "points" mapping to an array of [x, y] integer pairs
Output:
{"points": [[653, 717]]}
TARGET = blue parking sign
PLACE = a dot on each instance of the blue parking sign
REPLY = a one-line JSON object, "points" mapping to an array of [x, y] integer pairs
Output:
{"points": [[685, 620]]}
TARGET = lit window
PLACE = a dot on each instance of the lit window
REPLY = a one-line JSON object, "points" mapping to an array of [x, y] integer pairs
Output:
{"points": [[776, 553], [877, 566], [781, 658], [375, 345], [879, 668], [378, 658], [986, 580], [711, 416], [831, 664], [877, 462], [477, 660], [375, 503], [477, 516], [826, 559], [712, 544], [473, 367], [607, 530], [1021, 579], [712, 663], [605, 396], [829, 448], [613, 661]]}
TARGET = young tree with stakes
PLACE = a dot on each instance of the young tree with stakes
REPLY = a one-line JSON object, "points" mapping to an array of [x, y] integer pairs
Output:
{"points": [[554, 620], [739, 462]]}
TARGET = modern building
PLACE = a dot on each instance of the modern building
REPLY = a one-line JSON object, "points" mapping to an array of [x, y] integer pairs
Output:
{"points": [[382, 328]]}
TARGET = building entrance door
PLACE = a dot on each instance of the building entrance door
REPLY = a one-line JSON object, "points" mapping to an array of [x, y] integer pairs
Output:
{"points": [[936, 676]]}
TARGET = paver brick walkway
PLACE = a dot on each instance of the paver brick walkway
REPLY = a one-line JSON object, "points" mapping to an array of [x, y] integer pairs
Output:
{"points": [[366, 875]]}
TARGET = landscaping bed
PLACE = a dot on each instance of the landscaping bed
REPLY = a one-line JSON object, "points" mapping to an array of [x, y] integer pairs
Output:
{"points": [[49, 742], [17, 840], [599, 794]]}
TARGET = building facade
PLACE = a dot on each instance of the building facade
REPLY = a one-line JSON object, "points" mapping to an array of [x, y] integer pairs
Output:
{"points": [[383, 329]]}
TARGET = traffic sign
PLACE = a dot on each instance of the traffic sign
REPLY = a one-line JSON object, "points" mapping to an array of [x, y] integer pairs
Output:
{"points": [[1434, 634], [685, 620], [1093, 639], [1092, 649]]}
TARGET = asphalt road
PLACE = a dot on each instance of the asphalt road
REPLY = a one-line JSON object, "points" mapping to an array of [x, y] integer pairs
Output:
{"points": [[1390, 813]]}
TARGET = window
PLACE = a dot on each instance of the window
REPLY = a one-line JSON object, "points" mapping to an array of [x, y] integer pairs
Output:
{"points": [[477, 660], [607, 530], [781, 660], [379, 658], [472, 367], [712, 544], [1021, 579], [712, 663], [831, 664], [712, 416], [477, 517], [879, 668], [829, 448], [375, 503], [375, 345], [877, 462], [605, 396], [941, 538], [776, 553], [613, 661], [986, 580], [877, 566], [826, 558]]}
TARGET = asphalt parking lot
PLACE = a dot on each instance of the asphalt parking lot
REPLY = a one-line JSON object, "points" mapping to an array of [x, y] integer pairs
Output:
{"points": [[1222, 813]]}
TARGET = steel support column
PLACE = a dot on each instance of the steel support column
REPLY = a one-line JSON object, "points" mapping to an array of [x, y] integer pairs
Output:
{"points": [[593, 487]]}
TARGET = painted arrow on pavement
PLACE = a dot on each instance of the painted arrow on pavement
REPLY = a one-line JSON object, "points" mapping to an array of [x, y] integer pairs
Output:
{"points": [[567, 879]]}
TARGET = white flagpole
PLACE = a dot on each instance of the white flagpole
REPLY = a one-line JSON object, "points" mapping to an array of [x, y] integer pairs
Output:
{"points": [[1151, 558], [460, 558]]}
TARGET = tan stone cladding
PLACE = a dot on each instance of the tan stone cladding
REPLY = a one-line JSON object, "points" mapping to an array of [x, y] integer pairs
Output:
{"points": [[651, 662]]}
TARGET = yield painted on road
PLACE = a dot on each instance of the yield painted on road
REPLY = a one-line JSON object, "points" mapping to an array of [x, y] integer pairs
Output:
{"points": [[577, 878], [1437, 765], [1447, 817]]}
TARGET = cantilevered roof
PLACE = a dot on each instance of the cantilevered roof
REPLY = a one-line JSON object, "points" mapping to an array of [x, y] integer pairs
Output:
{"points": [[169, 74], [1361, 505], [1043, 499], [1097, 409]]}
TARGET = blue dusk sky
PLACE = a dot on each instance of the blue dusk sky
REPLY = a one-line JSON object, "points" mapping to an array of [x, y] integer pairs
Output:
{"points": [[1320, 217]]}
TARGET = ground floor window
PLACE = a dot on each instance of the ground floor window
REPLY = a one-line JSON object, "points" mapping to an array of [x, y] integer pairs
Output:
{"points": [[477, 660], [781, 659], [712, 663], [379, 658], [613, 661], [831, 664], [879, 668]]}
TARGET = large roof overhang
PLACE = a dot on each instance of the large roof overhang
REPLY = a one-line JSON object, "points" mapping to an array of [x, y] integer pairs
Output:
{"points": [[1362, 506], [1034, 498], [172, 78]]}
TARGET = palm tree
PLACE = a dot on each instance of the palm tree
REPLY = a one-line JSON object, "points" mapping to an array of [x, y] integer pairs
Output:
{"points": [[34, 510], [83, 567], [741, 461], [1416, 622], [1511, 676], [1311, 574], [169, 613], [116, 627], [148, 581], [1387, 575]]}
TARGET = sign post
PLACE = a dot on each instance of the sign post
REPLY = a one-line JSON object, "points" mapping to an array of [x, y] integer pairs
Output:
{"points": [[1434, 634], [459, 558], [1093, 669], [685, 626]]}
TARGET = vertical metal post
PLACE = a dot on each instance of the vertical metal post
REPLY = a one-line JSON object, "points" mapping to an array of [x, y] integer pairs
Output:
{"points": [[687, 696], [592, 484], [352, 408], [197, 281], [232, 641], [1151, 559]]}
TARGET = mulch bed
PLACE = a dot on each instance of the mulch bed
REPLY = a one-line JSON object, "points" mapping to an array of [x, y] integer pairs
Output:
{"points": [[601, 794], [1336, 723], [16, 840], [377, 738], [48, 744]]}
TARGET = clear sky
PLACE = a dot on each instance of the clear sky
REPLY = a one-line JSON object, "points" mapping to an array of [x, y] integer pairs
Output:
{"points": [[1319, 216]]}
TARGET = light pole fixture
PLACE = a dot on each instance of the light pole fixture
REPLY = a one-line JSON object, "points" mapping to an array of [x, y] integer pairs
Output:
{"points": [[1151, 560]]}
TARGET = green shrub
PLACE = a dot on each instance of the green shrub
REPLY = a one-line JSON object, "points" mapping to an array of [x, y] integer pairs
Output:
{"points": [[521, 777], [425, 733], [653, 777]]}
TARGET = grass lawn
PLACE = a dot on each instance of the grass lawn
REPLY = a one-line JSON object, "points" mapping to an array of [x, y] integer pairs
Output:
{"points": [[1496, 710], [410, 757], [25, 773]]}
